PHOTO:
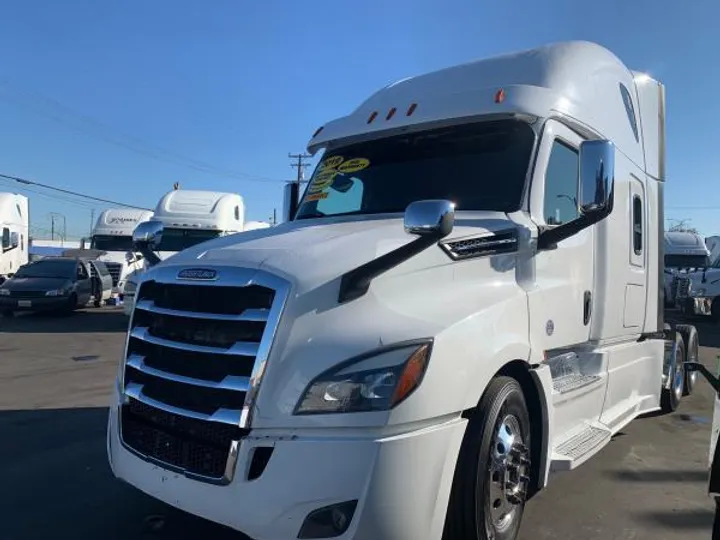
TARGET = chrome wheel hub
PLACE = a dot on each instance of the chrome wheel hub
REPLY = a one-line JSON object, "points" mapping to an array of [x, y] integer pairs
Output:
{"points": [[509, 473]]}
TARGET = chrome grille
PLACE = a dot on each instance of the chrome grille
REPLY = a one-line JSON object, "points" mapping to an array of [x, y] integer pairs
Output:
{"points": [[196, 352], [114, 269]]}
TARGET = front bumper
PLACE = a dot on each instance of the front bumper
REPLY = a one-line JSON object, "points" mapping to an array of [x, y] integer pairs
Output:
{"points": [[45, 303], [401, 482]]}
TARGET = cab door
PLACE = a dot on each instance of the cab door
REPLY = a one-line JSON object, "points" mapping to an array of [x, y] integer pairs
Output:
{"points": [[561, 297]]}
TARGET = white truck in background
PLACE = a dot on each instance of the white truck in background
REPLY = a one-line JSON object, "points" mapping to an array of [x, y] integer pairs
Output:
{"points": [[713, 245], [189, 217], [113, 234], [468, 297], [685, 252], [14, 233]]}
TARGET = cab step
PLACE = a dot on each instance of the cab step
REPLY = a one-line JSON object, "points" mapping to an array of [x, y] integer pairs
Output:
{"points": [[578, 448], [569, 383]]}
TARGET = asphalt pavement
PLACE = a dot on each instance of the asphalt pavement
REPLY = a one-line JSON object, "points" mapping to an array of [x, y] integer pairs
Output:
{"points": [[56, 374]]}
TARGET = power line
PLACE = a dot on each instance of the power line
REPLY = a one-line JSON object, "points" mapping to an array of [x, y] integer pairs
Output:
{"points": [[68, 192], [91, 126]]}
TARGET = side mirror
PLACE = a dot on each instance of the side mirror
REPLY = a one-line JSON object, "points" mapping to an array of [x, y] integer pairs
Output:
{"points": [[146, 238], [430, 218], [597, 183], [597, 177]]}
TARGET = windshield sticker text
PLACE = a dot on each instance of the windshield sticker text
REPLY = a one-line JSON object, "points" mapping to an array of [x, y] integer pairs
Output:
{"points": [[353, 165], [331, 163], [317, 196], [323, 180]]}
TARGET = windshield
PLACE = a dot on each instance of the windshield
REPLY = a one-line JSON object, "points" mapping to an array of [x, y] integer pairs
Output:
{"points": [[47, 268], [686, 261], [106, 242], [478, 166], [179, 239]]}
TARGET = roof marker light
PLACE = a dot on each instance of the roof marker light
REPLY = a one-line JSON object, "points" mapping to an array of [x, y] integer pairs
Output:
{"points": [[372, 117], [317, 131], [390, 113], [500, 96], [411, 109]]}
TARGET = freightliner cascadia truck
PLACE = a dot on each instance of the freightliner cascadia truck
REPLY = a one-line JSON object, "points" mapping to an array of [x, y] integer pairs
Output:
{"points": [[467, 297]]}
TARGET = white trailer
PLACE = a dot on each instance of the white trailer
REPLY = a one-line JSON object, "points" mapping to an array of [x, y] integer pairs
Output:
{"points": [[189, 217], [684, 252], [113, 234], [14, 233], [468, 297]]}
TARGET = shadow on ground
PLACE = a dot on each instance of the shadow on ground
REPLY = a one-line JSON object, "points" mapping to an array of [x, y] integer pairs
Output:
{"points": [[56, 483], [82, 321]]}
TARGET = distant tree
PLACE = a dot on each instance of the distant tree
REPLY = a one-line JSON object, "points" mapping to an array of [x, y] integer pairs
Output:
{"points": [[682, 225]]}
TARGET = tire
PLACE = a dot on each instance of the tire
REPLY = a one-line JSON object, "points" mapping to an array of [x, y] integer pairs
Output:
{"points": [[670, 397], [72, 304], [499, 430], [692, 345]]}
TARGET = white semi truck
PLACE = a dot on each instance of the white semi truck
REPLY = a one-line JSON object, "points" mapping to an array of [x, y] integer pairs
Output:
{"points": [[113, 234], [468, 296], [684, 252], [14, 233], [189, 217]]}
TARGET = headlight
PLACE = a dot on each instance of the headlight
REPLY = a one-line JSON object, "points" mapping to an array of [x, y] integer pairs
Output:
{"points": [[4, 292], [56, 292], [375, 383]]}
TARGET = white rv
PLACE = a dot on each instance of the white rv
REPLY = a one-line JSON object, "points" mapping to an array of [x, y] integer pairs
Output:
{"points": [[113, 234], [14, 231], [713, 245], [189, 217], [468, 297], [684, 252]]}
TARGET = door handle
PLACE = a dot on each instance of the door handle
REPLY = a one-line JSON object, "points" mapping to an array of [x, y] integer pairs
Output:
{"points": [[587, 307]]}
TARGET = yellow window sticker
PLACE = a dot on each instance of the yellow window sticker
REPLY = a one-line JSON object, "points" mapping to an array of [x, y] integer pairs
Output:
{"points": [[317, 196], [354, 165], [331, 163], [323, 180]]}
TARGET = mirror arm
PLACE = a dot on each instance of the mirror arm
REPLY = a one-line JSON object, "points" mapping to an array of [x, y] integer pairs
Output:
{"points": [[149, 254], [356, 282]]}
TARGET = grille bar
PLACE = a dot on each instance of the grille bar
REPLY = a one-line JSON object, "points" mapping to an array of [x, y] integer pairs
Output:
{"points": [[241, 348], [239, 384], [249, 315], [195, 357], [222, 416]]}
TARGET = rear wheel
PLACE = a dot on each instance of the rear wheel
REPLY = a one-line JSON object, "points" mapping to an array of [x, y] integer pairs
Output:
{"points": [[692, 352], [673, 392], [493, 468]]}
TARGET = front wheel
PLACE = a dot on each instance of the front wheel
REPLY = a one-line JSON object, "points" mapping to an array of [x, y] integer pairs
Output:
{"points": [[492, 473]]}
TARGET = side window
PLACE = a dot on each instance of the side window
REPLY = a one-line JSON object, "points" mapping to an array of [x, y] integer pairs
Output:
{"points": [[629, 109], [338, 202], [5, 239], [237, 213], [561, 185], [637, 232]]}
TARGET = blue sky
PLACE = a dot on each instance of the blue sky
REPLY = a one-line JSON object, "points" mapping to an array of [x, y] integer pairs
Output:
{"points": [[121, 99]]}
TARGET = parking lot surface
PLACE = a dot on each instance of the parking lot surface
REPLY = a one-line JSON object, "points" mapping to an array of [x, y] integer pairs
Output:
{"points": [[55, 379]]}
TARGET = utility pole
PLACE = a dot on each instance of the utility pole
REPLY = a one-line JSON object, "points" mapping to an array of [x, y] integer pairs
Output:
{"points": [[300, 166], [274, 218], [92, 220]]}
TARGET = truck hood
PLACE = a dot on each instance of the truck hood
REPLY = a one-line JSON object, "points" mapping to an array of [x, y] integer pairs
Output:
{"points": [[309, 253], [427, 296]]}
